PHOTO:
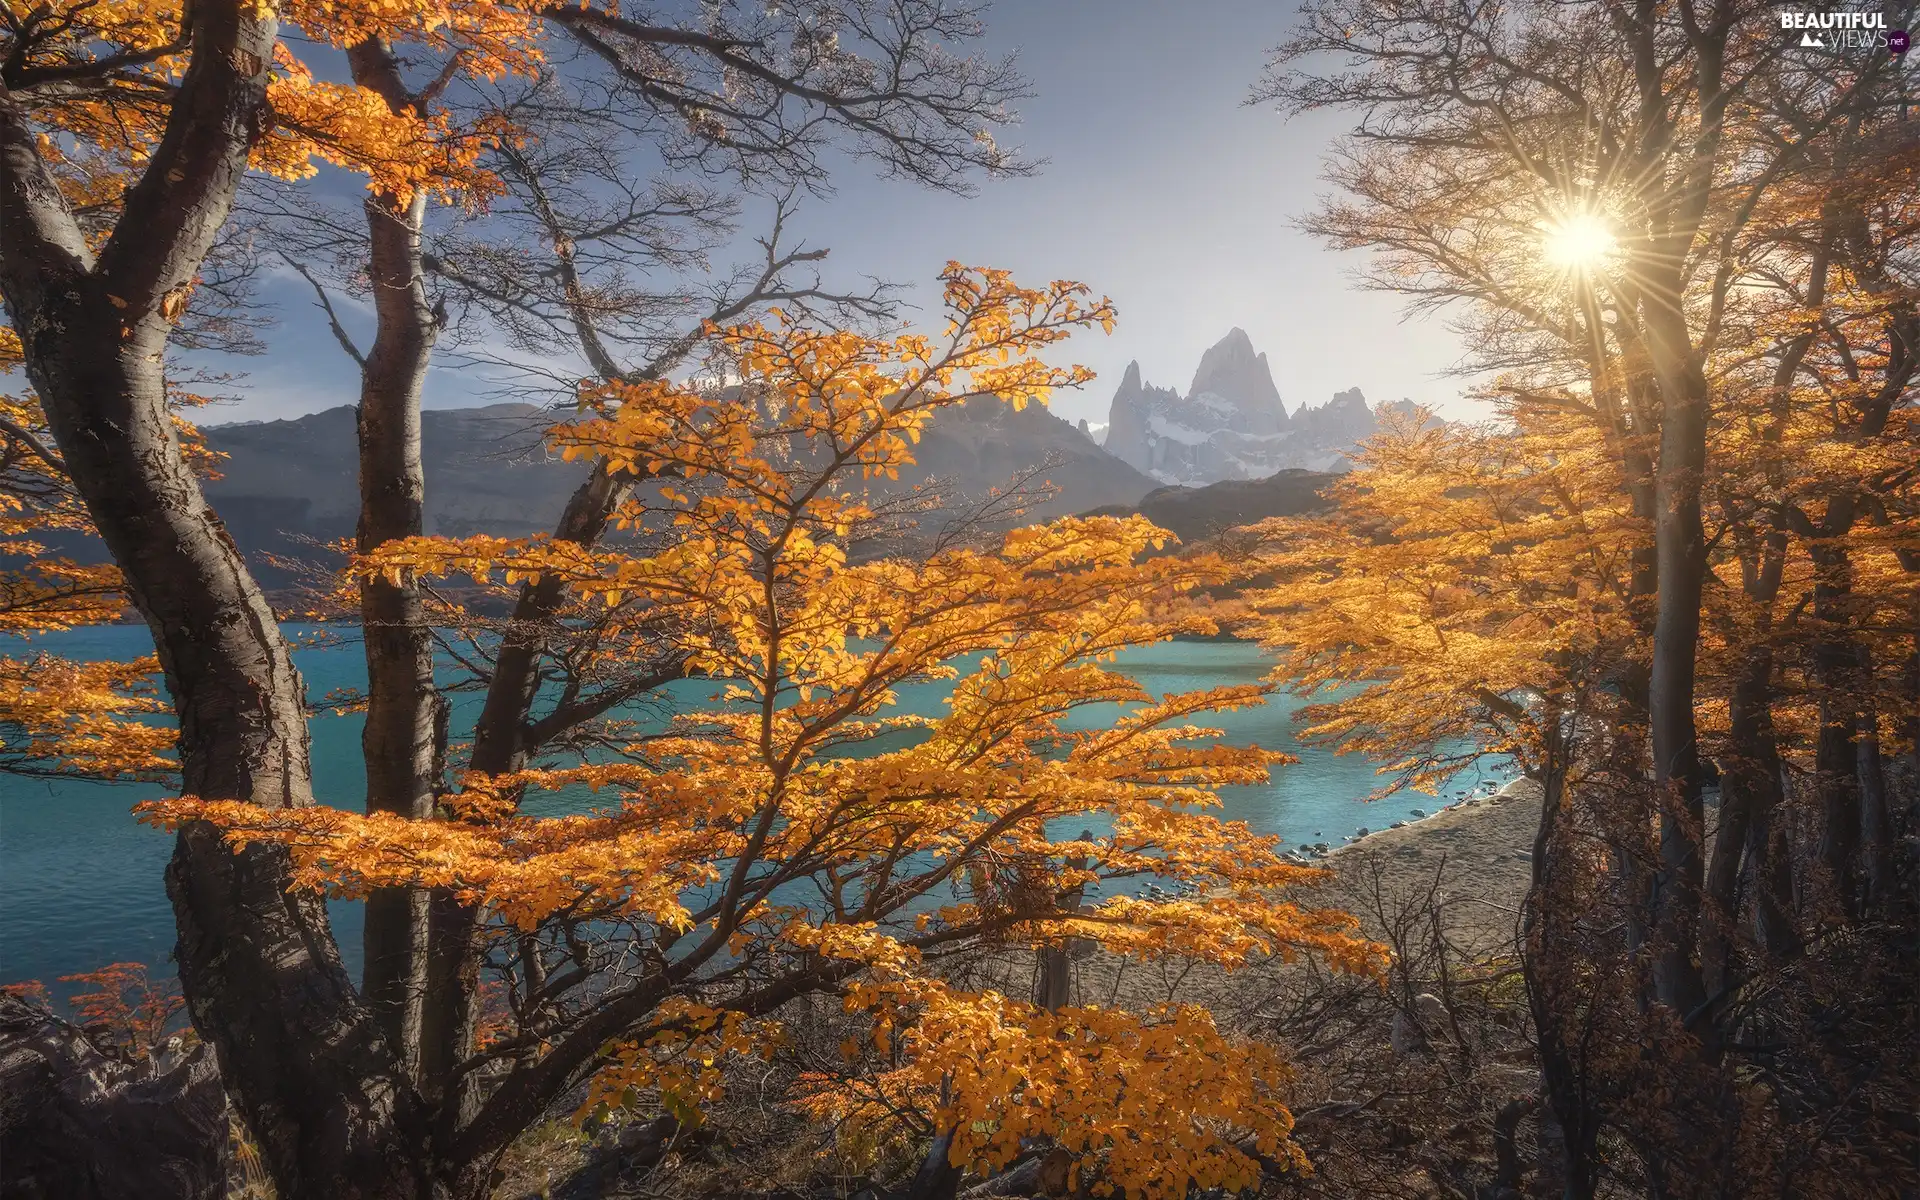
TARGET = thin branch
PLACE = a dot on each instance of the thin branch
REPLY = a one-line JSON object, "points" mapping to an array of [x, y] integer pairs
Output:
{"points": [[326, 305]]}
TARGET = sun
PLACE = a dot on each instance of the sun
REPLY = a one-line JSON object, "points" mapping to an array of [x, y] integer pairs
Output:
{"points": [[1579, 242]]}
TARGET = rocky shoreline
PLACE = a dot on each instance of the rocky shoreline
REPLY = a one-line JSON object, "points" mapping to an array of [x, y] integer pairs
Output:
{"points": [[1474, 857]]}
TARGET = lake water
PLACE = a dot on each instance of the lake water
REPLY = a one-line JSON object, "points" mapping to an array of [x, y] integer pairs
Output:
{"points": [[81, 882]]}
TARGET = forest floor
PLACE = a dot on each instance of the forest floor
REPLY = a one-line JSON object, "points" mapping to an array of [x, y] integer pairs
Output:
{"points": [[1459, 875]]}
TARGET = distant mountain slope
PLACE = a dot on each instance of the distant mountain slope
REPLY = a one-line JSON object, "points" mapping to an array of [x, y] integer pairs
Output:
{"points": [[487, 469], [1195, 514], [984, 444], [288, 484]]}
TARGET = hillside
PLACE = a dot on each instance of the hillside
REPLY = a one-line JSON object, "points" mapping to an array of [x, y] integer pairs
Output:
{"points": [[287, 485], [486, 470], [1195, 514], [984, 444]]}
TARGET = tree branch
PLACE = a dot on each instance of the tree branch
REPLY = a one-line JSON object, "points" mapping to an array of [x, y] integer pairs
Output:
{"points": [[333, 321]]}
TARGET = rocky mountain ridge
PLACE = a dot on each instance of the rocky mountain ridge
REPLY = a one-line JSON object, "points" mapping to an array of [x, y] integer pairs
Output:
{"points": [[1231, 424]]}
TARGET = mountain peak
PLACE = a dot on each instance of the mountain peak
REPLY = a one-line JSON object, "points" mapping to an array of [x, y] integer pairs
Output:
{"points": [[1237, 378], [1231, 424], [1236, 347], [1345, 419]]}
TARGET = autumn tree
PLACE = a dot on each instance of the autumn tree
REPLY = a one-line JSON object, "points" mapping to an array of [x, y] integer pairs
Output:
{"points": [[565, 247], [1471, 593], [1635, 212], [59, 716], [126, 135], [1577, 129], [1837, 456], [803, 837]]}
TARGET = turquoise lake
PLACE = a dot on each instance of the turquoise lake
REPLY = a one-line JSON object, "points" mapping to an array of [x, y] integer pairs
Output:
{"points": [[81, 885]]}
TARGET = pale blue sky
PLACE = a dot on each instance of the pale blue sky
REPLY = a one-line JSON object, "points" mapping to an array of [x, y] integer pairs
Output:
{"points": [[1161, 189]]}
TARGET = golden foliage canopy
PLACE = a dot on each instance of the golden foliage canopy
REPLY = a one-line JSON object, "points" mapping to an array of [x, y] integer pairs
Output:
{"points": [[99, 80], [1469, 586], [58, 716], [804, 833]]}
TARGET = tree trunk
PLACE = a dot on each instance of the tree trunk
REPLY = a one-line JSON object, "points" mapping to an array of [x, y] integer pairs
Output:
{"points": [[1625, 407], [1680, 550], [1750, 793], [1053, 986], [1749, 834], [937, 1178], [452, 1006], [305, 1061], [1731, 837], [404, 741], [1910, 560], [1876, 819], [1836, 761], [451, 1015], [1758, 772], [405, 734], [498, 736], [1551, 963]]}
